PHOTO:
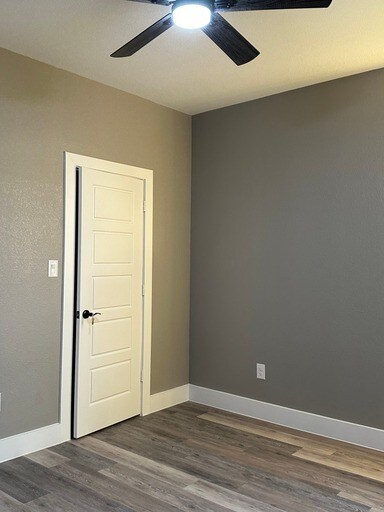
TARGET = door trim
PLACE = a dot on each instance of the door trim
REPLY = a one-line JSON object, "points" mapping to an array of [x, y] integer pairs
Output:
{"points": [[71, 162]]}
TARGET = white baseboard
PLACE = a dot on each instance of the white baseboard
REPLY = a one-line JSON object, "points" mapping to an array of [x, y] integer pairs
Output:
{"points": [[169, 398], [361, 435], [32, 441]]}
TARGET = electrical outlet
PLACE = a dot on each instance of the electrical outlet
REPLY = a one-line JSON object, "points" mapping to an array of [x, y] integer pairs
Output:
{"points": [[260, 370]]}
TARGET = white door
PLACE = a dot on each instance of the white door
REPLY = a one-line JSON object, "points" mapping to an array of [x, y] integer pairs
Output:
{"points": [[110, 300]]}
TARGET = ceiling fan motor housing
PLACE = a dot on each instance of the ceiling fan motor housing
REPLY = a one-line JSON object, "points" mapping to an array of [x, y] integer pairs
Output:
{"points": [[206, 3]]}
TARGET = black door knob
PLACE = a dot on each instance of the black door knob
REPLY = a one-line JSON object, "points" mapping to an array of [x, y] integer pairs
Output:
{"points": [[89, 314]]}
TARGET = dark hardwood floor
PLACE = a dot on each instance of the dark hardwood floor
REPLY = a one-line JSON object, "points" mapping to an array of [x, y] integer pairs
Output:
{"points": [[195, 458]]}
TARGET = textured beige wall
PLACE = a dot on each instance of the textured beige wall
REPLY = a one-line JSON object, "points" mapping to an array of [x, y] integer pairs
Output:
{"points": [[44, 112]]}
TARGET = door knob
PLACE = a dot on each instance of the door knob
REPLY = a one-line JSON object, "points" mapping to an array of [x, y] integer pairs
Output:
{"points": [[89, 314]]}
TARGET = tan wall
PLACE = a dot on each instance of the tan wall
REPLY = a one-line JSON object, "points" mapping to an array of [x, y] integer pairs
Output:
{"points": [[44, 112]]}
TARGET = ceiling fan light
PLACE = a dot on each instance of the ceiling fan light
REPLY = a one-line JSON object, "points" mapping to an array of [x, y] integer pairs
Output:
{"points": [[191, 15]]}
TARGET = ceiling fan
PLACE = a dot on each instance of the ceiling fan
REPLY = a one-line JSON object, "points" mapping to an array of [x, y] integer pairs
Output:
{"points": [[205, 14]]}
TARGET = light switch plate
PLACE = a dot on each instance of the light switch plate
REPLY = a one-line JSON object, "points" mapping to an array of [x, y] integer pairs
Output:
{"points": [[53, 268]]}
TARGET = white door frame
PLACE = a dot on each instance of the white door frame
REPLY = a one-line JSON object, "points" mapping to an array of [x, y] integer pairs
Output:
{"points": [[72, 162]]}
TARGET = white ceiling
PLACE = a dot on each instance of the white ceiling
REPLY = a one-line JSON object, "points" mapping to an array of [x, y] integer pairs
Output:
{"points": [[183, 69]]}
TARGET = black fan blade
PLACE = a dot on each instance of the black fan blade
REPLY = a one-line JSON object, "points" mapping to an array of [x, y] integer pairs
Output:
{"points": [[145, 37], [230, 40], [263, 5]]}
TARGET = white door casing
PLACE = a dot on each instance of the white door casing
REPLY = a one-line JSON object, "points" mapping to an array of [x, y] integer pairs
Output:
{"points": [[116, 258]]}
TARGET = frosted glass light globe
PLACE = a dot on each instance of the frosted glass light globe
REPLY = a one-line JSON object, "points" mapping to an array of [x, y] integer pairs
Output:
{"points": [[191, 15]]}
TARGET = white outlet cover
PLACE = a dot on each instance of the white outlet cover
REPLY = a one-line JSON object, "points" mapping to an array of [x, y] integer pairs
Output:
{"points": [[260, 371]]}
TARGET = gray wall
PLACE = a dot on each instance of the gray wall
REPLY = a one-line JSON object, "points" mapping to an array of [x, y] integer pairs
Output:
{"points": [[43, 112], [288, 249]]}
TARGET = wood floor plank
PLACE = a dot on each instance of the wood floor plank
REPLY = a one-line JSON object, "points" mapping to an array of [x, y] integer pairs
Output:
{"points": [[75, 453], [214, 432], [369, 499], [366, 454], [163, 491], [303, 497], [338, 462], [264, 468], [352, 458], [229, 499], [57, 503], [271, 433], [180, 457], [282, 486], [18, 488], [112, 489], [71, 490], [47, 458], [239, 456], [137, 462], [290, 501], [8, 504]]}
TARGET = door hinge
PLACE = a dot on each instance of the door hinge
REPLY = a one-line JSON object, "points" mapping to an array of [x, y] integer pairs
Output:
{"points": [[143, 290], [141, 376], [144, 206]]}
